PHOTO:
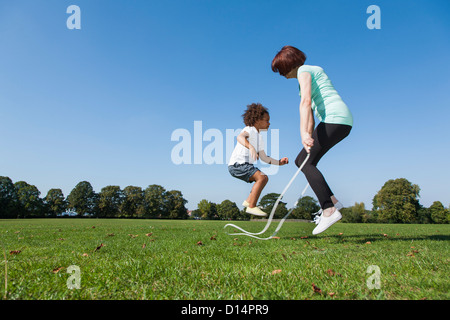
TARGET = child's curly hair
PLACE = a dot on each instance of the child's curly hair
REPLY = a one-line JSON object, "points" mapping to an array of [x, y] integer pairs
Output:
{"points": [[254, 112]]}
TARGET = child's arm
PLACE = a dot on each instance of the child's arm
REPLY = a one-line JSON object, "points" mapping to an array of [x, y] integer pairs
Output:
{"points": [[242, 138], [270, 160]]}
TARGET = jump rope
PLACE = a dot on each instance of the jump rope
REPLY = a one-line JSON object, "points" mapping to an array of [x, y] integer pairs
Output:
{"points": [[269, 220]]}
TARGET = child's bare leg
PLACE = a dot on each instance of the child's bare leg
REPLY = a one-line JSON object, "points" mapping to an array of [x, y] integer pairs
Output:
{"points": [[260, 182], [251, 191], [248, 199]]}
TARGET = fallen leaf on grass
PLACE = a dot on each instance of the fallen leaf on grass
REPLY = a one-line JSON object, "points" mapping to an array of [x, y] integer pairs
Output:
{"points": [[368, 242], [149, 234], [213, 237], [85, 255], [411, 254], [331, 294], [98, 248], [314, 247], [199, 243], [316, 289], [15, 251], [143, 246], [133, 235], [275, 237], [276, 271], [333, 273], [56, 270], [111, 235]]}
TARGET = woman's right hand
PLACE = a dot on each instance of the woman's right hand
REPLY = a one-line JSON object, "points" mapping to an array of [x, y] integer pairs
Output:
{"points": [[308, 143]]}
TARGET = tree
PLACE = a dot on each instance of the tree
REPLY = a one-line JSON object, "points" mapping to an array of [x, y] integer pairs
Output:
{"points": [[30, 204], [397, 202], [424, 215], [438, 213], [207, 210], [268, 201], [228, 210], [175, 205], [133, 202], [110, 200], [8, 198], [83, 199], [154, 201], [354, 214], [55, 202], [306, 206], [195, 214]]}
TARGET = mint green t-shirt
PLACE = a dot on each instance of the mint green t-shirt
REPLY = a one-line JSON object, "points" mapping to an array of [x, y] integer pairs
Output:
{"points": [[328, 106]]}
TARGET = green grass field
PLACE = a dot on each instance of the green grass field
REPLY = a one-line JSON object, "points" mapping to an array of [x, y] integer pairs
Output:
{"points": [[167, 259]]}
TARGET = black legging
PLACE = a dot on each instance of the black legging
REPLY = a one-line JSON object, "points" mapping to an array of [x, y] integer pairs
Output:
{"points": [[326, 135]]}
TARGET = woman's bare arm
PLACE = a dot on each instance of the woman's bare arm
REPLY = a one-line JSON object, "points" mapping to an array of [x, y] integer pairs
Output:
{"points": [[306, 116]]}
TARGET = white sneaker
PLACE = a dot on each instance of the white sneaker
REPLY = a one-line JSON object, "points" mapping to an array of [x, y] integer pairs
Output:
{"points": [[256, 211], [318, 214], [246, 204], [326, 222]]}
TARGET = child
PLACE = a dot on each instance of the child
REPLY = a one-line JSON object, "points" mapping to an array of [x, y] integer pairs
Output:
{"points": [[249, 148]]}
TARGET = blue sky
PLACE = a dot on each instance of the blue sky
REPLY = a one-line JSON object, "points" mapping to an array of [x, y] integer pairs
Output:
{"points": [[101, 103]]}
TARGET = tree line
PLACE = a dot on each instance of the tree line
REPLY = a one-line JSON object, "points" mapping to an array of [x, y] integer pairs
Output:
{"points": [[396, 202], [22, 200]]}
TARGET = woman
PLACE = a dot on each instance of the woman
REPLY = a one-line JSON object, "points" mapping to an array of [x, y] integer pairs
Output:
{"points": [[336, 121]]}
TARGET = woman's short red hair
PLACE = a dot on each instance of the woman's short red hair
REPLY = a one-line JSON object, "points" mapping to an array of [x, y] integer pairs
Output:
{"points": [[287, 59]]}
